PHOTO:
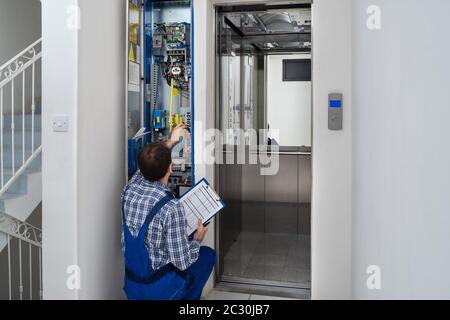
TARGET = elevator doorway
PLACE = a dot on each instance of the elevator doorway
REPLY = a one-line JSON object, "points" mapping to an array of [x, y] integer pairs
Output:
{"points": [[263, 110]]}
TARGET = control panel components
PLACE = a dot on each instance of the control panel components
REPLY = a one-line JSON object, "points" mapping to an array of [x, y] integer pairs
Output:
{"points": [[157, 40], [335, 111], [187, 116], [159, 81], [170, 96], [179, 165], [177, 119], [171, 42], [177, 35], [171, 77], [182, 164], [159, 120], [187, 149]]}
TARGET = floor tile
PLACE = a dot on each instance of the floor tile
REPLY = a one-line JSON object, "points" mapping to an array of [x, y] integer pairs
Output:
{"points": [[270, 256], [234, 268], [238, 252], [272, 248], [255, 271], [273, 273], [297, 262], [296, 275], [280, 238], [300, 247], [270, 260]]}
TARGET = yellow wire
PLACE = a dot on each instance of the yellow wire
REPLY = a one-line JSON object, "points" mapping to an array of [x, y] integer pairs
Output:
{"points": [[171, 104]]}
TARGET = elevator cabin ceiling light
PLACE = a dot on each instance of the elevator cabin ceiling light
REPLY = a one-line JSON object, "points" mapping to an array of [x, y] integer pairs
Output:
{"points": [[272, 21], [277, 22]]}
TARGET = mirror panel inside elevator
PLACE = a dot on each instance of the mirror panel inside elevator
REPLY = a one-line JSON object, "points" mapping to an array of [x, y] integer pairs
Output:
{"points": [[263, 108]]}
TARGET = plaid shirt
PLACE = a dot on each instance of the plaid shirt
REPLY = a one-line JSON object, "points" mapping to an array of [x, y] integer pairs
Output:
{"points": [[167, 240]]}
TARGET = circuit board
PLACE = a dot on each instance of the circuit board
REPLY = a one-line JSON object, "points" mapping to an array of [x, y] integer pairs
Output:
{"points": [[171, 95]]}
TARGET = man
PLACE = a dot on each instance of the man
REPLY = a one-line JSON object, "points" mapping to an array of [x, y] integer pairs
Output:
{"points": [[161, 262]]}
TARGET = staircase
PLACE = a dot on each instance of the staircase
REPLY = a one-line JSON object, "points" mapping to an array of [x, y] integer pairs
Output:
{"points": [[20, 175], [25, 193]]}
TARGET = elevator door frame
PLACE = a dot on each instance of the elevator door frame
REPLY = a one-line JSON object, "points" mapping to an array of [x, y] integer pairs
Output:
{"points": [[240, 284]]}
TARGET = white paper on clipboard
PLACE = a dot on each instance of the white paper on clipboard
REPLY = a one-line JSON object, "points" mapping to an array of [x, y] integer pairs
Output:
{"points": [[201, 202]]}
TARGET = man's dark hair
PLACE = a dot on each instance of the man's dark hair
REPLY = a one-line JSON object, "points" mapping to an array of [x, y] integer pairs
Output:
{"points": [[154, 160]]}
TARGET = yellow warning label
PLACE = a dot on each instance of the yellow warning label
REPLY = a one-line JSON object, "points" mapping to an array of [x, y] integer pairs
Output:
{"points": [[131, 55]]}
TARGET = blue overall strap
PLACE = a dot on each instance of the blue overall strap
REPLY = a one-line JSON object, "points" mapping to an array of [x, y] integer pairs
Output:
{"points": [[137, 260]]}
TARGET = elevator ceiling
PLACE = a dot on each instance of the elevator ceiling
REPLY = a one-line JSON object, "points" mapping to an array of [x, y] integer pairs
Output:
{"points": [[268, 31]]}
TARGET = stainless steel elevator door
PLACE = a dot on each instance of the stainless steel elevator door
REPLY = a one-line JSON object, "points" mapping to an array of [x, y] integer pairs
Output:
{"points": [[264, 232]]}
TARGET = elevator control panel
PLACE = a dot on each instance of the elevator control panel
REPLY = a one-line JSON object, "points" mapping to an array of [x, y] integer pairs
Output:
{"points": [[335, 111], [169, 55], [160, 83]]}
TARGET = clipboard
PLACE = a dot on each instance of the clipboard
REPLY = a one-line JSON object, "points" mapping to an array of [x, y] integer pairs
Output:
{"points": [[201, 202]]}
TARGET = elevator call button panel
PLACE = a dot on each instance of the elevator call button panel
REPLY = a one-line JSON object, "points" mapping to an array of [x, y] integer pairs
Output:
{"points": [[335, 111]]}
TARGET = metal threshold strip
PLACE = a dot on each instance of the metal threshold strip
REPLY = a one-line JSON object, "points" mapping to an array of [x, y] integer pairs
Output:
{"points": [[264, 287]]}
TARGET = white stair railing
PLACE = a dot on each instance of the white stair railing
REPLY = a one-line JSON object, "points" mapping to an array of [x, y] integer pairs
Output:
{"points": [[29, 240], [20, 242], [13, 77]]}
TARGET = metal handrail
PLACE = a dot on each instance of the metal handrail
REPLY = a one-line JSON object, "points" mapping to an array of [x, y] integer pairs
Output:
{"points": [[23, 52], [20, 230], [21, 170], [14, 74], [23, 66], [26, 234], [9, 72]]}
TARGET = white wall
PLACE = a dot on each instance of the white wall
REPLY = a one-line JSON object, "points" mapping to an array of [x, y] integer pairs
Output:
{"points": [[59, 161], [332, 152], [20, 26], [83, 76], [101, 128], [401, 154], [204, 97], [288, 104]]}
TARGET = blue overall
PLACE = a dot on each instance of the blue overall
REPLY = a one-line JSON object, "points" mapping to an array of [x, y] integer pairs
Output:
{"points": [[167, 283]]}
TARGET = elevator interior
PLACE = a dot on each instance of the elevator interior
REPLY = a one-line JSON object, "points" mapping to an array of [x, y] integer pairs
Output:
{"points": [[263, 81]]}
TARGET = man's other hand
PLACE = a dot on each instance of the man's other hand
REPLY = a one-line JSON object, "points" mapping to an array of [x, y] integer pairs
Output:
{"points": [[201, 231]]}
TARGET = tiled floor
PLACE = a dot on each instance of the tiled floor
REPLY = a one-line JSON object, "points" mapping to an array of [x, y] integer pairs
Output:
{"points": [[223, 295], [271, 257]]}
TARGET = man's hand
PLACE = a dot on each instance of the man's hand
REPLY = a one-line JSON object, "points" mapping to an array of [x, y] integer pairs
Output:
{"points": [[201, 231], [176, 135]]}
